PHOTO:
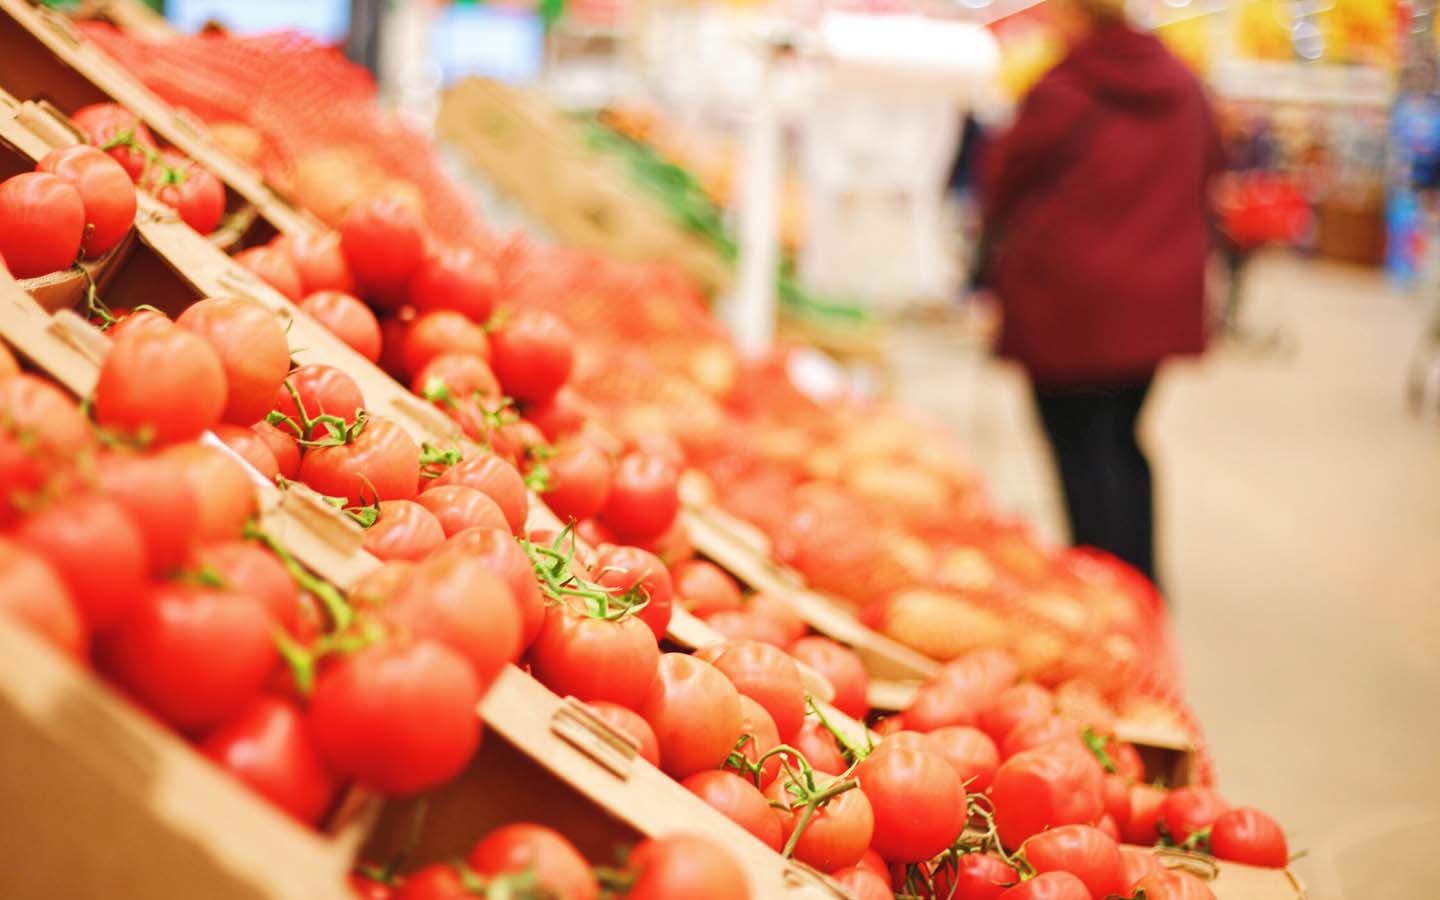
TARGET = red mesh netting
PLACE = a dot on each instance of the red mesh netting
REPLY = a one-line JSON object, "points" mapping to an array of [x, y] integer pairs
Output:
{"points": [[301, 113]]}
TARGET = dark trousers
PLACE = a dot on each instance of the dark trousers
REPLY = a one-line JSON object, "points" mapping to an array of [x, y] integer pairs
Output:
{"points": [[1102, 468]]}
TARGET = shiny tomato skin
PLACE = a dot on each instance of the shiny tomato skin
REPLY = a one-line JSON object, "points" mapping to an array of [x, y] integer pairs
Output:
{"points": [[382, 463], [397, 717], [622, 569], [318, 260], [1127, 760], [404, 530], [166, 382], [597, 659], [194, 656], [863, 884], [1187, 810], [644, 497], [347, 318], [1172, 884], [779, 610], [248, 569], [267, 747], [383, 240], [273, 266], [629, 723], [465, 377], [323, 390], [1145, 803], [160, 501], [1117, 799], [439, 333], [1038, 732], [769, 677], [918, 802], [579, 480], [1045, 788], [757, 723], [366, 888], [41, 432], [705, 588], [498, 480], [437, 881], [983, 674], [1249, 836], [561, 415], [937, 705], [282, 444], [977, 876], [457, 507], [819, 747], [498, 549], [250, 447], [1083, 851], [103, 122], [735, 625], [98, 552], [838, 834], [533, 352], [252, 347], [42, 222], [199, 197], [970, 752], [560, 872], [32, 594], [1012, 707], [679, 865], [458, 279], [1136, 863], [221, 486], [105, 189], [740, 802], [1049, 886], [457, 601], [695, 712]]}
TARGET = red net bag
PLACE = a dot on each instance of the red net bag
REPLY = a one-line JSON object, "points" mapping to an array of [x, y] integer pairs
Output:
{"points": [[304, 115]]}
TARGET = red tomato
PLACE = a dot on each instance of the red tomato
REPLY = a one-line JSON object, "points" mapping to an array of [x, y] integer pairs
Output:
{"points": [[347, 318], [1039, 732], [1145, 802], [938, 705], [97, 551], [680, 865], [458, 279], [167, 383], [192, 655], [267, 747], [1014, 706], [1045, 788], [383, 240], [1187, 810], [705, 588], [498, 480], [252, 348], [1249, 836], [318, 261], [498, 550], [1117, 799], [441, 333], [838, 833], [982, 674], [873, 862], [644, 496], [105, 190], [1136, 863], [1080, 701], [757, 723], [404, 530], [918, 802], [32, 594], [190, 190], [818, 746], [397, 717], [746, 626], [323, 390], [597, 659], [560, 872], [458, 601], [282, 445], [249, 570], [457, 507], [273, 266], [438, 881], [560, 415], [159, 500], [366, 888], [42, 222], [863, 884], [1049, 886], [578, 482], [533, 353], [1172, 884], [1127, 760], [220, 485], [740, 802], [1106, 824], [778, 610], [1083, 851], [41, 429], [969, 751], [976, 876], [695, 712], [104, 122], [623, 569], [768, 676], [249, 446], [451, 379], [629, 723], [382, 463]]}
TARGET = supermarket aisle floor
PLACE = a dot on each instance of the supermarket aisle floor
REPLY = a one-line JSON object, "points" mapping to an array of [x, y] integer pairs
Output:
{"points": [[1300, 519]]}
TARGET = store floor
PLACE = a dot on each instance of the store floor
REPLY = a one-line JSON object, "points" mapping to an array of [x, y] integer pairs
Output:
{"points": [[1300, 541]]}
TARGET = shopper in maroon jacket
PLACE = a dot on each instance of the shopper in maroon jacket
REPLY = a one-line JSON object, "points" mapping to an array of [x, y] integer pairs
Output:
{"points": [[1096, 208]]}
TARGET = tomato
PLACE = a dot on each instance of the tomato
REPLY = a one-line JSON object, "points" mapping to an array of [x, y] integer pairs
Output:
{"points": [[32, 594], [282, 445], [1249, 836], [937, 705], [347, 318], [1039, 732], [764, 737], [705, 588], [1172, 884], [918, 801], [629, 723], [871, 861], [457, 507], [266, 746], [164, 383], [1045, 788], [1107, 825], [451, 379], [191, 190], [41, 430], [397, 717], [442, 333], [498, 550], [104, 122], [839, 832], [559, 871], [1049, 886], [159, 500], [863, 884], [768, 676], [680, 865], [746, 626], [457, 279], [251, 571], [623, 569], [578, 480], [105, 191], [1187, 810], [42, 222], [982, 674], [273, 266], [383, 239], [644, 496], [1145, 803], [250, 447], [598, 659], [1116, 792], [975, 876], [779, 610], [404, 530], [497, 479], [533, 352], [438, 881], [252, 348], [458, 601], [1136, 863], [1014, 706], [136, 320], [818, 746], [1126, 759], [366, 888], [1083, 851], [969, 751], [1080, 701], [381, 463], [318, 261], [96, 549], [560, 415], [695, 712], [220, 485], [193, 655], [740, 802], [323, 390]]}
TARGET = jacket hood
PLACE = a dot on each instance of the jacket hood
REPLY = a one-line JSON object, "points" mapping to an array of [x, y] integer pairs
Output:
{"points": [[1130, 68]]}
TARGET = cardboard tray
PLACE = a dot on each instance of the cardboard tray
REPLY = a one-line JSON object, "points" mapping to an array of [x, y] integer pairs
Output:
{"points": [[1233, 881]]}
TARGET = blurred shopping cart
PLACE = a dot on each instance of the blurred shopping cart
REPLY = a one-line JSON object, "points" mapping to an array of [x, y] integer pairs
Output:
{"points": [[1254, 210]]}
